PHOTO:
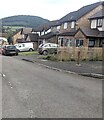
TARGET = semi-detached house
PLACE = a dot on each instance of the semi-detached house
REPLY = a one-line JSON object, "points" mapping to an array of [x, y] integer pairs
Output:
{"points": [[72, 29]]}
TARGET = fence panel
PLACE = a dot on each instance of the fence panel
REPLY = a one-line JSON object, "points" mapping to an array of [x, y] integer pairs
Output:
{"points": [[85, 53]]}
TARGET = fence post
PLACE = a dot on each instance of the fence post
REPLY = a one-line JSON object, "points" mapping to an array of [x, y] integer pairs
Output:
{"points": [[78, 60]]}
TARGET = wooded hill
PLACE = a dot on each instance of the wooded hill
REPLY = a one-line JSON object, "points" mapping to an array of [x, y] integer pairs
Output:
{"points": [[23, 20]]}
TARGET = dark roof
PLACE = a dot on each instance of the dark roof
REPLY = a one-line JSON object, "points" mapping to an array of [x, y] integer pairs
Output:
{"points": [[73, 16], [99, 14], [33, 37], [48, 35], [70, 33], [26, 30], [15, 32], [92, 32], [20, 40], [3, 34], [25, 36], [47, 26], [101, 34], [23, 31]]}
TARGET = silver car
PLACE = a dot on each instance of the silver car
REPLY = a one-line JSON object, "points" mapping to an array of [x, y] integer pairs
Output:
{"points": [[48, 48]]}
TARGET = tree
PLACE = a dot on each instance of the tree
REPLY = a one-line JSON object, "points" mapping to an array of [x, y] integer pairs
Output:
{"points": [[9, 36], [10, 40]]}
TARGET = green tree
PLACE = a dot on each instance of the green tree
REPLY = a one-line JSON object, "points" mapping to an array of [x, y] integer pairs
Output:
{"points": [[9, 36]]}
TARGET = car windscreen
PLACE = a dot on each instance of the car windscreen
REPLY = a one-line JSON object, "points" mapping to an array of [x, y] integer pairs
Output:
{"points": [[11, 47]]}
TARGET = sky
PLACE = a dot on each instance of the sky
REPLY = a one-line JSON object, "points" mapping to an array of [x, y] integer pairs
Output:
{"points": [[47, 9]]}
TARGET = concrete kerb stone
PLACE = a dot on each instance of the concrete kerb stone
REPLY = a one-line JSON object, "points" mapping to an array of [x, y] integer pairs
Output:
{"points": [[28, 60], [100, 76]]}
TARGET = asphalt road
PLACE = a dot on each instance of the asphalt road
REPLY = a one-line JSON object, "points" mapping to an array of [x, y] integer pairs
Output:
{"points": [[30, 90]]}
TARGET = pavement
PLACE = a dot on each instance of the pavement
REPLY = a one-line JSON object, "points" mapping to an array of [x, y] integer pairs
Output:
{"points": [[85, 68]]}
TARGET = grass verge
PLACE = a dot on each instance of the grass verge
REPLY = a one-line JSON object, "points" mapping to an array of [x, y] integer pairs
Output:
{"points": [[28, 53]]}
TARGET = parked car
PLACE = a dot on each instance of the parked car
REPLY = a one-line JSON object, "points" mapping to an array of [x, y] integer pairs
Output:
{"points": [[1, 49], [22, 47], [48, 48], [9, 50]]}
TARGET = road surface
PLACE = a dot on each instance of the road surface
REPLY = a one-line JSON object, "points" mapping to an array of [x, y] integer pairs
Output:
{"points": [[30, 90]]}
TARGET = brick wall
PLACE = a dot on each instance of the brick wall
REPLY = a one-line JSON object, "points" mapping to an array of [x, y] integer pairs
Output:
{"points": [[84, 21], [17, 36]]}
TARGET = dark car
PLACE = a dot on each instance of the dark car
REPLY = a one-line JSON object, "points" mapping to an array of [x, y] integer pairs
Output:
{"points": [[1, 49], [9, 50]]}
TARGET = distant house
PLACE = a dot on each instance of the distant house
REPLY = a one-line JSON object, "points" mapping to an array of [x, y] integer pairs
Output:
{"points": [[49, 37], [48, 32], [3, 39], [20, 35], [33, 37]]}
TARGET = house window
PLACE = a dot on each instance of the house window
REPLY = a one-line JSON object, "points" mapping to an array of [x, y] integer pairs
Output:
{"points": [[79, 43], [58, 27], [93, 23], [65, 25], [73, 24], [61, 41], [49, 30], [99, 22], [43, 32], [91, 43], [101, 43]]}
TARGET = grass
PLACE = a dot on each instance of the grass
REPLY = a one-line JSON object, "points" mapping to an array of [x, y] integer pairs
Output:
{"points": [[28, 53]]}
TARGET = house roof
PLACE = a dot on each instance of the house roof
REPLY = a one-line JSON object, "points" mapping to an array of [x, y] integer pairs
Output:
{"points": [[70, 33], [23, 31], [33, 37], [47, 26], [73, 16], [99, 14], [88, 32], [20, 40], [26, 30], [15, 32], [3, 34], [48, 35]]}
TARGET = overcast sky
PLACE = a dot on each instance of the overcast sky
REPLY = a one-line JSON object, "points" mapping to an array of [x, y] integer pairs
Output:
{"points": [[48, 9]]}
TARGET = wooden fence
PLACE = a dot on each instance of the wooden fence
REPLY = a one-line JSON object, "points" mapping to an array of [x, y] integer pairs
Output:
{"points": [[82, 53]]}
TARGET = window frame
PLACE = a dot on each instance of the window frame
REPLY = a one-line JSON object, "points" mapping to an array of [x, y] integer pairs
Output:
{"points": [[99, 22], [65, 25], [91, 40], [80, 42]]}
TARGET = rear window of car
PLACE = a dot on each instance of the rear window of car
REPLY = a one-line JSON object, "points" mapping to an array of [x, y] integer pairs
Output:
{"points": [[11, 47]]}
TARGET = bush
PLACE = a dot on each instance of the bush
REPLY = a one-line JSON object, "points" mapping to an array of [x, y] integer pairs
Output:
{"points": [[52, 57]]}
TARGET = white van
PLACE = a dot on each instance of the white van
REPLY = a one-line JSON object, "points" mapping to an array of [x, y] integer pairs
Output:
{"points": [[25, 46]]}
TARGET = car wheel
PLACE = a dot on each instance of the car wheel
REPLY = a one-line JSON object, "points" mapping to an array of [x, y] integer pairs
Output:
{"points": [[45, 52], [16, 54], [30, 49]]}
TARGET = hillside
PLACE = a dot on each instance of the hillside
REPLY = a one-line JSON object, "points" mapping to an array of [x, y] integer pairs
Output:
{"points": [[23, 20]]}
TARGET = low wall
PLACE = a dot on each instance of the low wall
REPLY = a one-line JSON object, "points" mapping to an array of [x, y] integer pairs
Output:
{"points": [[83, 53]]}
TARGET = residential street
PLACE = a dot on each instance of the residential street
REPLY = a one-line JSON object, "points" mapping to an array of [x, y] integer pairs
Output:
{"points": [[30, 90]]}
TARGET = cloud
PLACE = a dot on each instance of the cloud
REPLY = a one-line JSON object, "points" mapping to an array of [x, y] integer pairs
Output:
{"points": [[48, 9]]}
